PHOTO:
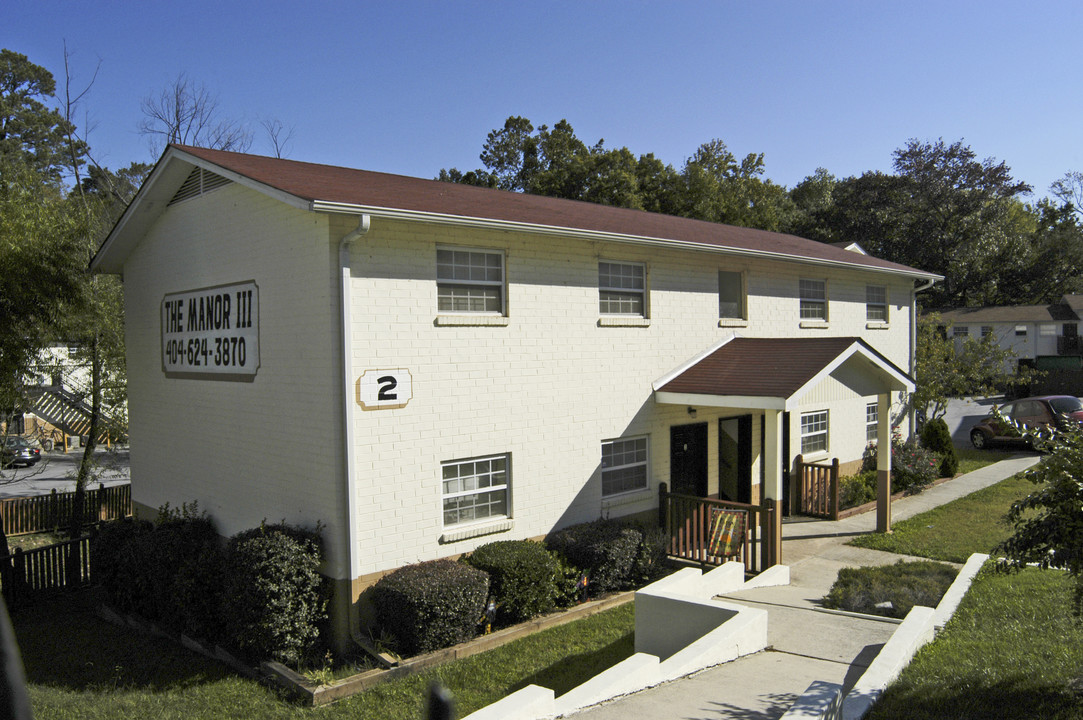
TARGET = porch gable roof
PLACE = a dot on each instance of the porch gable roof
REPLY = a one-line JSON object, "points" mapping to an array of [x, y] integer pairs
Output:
{"points": [[770, 373]]}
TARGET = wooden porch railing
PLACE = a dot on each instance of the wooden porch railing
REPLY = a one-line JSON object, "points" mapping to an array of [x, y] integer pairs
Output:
{"points": [[818, 486], [688, 519]]}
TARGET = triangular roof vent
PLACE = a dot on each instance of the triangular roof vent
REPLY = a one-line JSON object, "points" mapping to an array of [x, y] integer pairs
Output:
{"points": [[199, 181]]}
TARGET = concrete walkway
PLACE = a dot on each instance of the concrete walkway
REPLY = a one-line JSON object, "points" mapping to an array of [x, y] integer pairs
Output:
{"points": [[805, 642]]}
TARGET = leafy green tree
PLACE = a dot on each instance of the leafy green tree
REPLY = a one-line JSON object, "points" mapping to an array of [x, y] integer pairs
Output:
{"points": [[32, 134], [39, 271], [979, 367], [1047, 525]]}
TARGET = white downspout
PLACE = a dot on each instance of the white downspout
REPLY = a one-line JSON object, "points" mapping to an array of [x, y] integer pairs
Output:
{"points": [[914, 341], [353, 561]]}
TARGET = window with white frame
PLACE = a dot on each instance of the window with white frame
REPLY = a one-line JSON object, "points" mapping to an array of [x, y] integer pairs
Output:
{"points": [[876, 303], [872, 422], [813, 432], [986, 330], [622, 288], [624, 465], [813, 299], [1020, 330], [475, 489], [960, 331], [731, 295], [469, 281], [1047, 329]]}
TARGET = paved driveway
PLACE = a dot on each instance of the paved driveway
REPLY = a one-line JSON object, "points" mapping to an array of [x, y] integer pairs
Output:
{"points": [[57, 470], [964, 413]]}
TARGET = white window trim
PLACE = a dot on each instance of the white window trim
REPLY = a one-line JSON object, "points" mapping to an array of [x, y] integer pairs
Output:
{"points": [[645, 293], [874, 423], [872, 323], [801, 300], [825, 432], [483, 526], [470, 317], [646, 464], [741, 320]]}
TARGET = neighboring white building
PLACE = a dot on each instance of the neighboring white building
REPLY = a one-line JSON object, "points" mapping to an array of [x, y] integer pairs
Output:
{"points": [[1039, 335], [423, 367]]}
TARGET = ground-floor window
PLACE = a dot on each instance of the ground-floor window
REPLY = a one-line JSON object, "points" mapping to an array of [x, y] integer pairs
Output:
{"points": [[624, 465], [814, 432], [872, 421], [475, 489]]}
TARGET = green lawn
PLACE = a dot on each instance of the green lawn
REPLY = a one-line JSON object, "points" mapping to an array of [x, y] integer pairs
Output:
{"points": [[1008, 654], [952, 532], [79, 666]]}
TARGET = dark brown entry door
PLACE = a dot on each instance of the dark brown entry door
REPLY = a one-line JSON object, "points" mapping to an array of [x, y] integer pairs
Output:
{"points": [[735, 459], [688, 459]]}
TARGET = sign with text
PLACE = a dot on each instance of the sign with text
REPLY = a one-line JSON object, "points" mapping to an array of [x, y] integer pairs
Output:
{"points": [[384, 389], [213, 332]]}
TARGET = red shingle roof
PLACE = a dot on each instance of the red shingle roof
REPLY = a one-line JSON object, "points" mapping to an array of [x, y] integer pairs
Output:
{"points": [[331, 184], [763, 367]]}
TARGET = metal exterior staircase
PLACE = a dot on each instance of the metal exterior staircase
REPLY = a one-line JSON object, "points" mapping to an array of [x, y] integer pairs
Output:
{"points": [[67, 410]]}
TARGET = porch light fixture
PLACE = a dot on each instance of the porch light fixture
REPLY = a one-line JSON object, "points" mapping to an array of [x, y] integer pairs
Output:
{"points": [[691, 411]]}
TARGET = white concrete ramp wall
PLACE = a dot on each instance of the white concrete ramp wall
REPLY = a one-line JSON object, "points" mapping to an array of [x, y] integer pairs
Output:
{"points": [[683, 627]]}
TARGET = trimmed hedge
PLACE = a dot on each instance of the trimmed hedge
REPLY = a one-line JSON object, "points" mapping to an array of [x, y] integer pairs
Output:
{"points": [[274, 598], [936, 437], [526, 580], [431, 605], [261, 594], [607, 550]]}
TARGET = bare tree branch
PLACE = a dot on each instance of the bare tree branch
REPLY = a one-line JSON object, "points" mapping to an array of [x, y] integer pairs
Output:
{"points": [[187, 113]]}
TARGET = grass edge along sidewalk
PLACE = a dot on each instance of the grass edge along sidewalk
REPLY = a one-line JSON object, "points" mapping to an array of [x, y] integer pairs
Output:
{"points": [[1013, 649], [81, 667]]}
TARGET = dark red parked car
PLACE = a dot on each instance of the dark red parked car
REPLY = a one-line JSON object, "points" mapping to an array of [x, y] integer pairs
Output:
{"points": [[1033, 412]]}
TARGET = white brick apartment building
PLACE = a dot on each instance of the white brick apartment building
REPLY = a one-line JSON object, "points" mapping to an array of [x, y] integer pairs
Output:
{"points": [[424, 367]]}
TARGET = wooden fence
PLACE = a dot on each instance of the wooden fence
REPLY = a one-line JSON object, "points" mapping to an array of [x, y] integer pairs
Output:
{"points": [[43, 513], [818, 484], [25, 575], [689, 521]]}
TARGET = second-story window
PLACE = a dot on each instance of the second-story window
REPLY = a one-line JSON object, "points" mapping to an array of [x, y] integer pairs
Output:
{"points": [[622, 288], [876, 303], [813, 299], [731, 295], [469, 281]]}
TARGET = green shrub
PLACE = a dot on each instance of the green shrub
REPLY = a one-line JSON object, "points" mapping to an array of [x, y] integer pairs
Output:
{"points": [[652, 558], [122, 552], [607, 550], [186, 571], [855, 490], [525, 579], [936, 437], [431, 605], [903, 585], [274, 598]]}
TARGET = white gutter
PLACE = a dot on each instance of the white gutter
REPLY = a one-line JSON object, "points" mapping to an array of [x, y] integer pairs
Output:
{"points": [[595, 235], [353, 560], [914, 340]]}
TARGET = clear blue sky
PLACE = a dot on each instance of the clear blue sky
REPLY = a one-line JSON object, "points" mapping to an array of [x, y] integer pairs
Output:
{"points": [[412, 87]]}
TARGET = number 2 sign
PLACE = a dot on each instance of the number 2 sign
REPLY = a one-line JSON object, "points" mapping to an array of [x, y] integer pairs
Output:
{"points": [[384, 389]]}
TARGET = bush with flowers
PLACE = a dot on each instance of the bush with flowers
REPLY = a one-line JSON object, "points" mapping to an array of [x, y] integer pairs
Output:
{"points": [[913, 468]]}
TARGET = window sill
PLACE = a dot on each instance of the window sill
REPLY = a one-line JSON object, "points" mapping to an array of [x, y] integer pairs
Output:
{"points": [[815, 324], [629, 498], [732, 322], [473, 531], [471, 320], [816, 456], [877, 326], [619, 321]]}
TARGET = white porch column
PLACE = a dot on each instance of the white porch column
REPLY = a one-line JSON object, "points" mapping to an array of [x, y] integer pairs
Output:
{"points": [[772, 490], [883, 463]]}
